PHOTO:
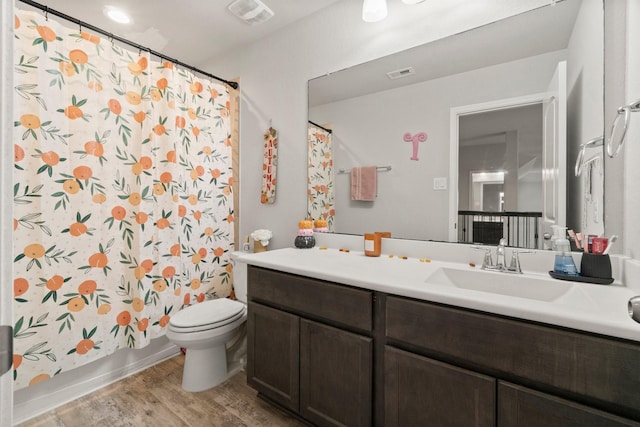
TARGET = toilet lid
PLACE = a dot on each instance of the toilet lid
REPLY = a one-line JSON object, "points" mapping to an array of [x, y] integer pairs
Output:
{"points": [[208, 313]]}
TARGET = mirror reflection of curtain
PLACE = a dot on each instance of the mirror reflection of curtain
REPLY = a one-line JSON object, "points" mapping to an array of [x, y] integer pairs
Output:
{"points": [[320, 181], [123, 199]]}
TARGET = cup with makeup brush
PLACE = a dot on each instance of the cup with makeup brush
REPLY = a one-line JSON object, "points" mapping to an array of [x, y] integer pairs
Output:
{"points": [[599, 245], [597, 263]]}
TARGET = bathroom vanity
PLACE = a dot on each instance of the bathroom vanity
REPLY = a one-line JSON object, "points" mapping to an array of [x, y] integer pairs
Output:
{"points": [[310, 346], [331, 340]]}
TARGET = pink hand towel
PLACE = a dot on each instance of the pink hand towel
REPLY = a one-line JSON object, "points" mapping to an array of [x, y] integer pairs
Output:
{"points": [[364, 183]]}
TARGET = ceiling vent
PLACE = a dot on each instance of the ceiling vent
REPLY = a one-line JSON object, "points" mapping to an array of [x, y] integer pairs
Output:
{"points": [[404, 72], [252, 12]]}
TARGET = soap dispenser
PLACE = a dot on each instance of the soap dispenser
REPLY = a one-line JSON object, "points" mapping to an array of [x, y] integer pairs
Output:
{"points": [[564, 261], [559, 233]]}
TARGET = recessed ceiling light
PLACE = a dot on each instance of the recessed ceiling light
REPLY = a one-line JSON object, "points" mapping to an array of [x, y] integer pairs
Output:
{"points": [[117, 15], [374, 10]]}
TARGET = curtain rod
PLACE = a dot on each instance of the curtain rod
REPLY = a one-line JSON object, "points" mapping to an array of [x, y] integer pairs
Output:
{"points": [[47, 10], [321, 127]]}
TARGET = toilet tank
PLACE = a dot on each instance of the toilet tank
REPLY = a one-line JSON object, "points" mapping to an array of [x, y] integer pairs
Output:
{"points": [[239, 278]]}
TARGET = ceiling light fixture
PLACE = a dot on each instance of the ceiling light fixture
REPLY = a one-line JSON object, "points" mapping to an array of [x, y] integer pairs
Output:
{"points": [[374, 10], [117, 15]]}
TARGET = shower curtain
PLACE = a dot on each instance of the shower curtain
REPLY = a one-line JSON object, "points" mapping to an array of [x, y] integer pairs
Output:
{"points": [[123, 209], [320, 178]]}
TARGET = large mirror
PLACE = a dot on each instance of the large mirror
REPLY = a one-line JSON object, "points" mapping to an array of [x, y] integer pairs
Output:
{"points": [[474, 136]]}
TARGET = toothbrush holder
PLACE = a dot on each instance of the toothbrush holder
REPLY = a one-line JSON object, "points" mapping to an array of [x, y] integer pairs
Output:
{"points": [[594, 265]]}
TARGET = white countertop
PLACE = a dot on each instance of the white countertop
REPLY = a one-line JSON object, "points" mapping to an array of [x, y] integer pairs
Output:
{"points": [[588, 307]]}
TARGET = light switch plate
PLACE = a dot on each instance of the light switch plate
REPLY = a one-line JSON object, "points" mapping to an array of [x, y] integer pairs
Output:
{"points": [[440, 183]]}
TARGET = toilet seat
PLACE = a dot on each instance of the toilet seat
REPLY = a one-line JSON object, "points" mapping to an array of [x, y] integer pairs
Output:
{"points": [[207, 315]]}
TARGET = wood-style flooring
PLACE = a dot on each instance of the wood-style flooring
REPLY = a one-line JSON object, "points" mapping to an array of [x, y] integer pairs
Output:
{"points": [[155, 398]]}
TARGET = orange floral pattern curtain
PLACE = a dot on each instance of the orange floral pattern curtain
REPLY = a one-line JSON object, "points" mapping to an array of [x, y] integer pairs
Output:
{"points": [[123, 207], [320, 179]]}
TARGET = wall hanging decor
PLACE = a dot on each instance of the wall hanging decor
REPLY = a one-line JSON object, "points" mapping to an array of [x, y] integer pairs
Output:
{"points": [[268, 194], [415, 140]]}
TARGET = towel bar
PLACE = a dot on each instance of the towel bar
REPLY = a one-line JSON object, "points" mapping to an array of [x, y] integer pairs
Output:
{"points": [[379, 168]]}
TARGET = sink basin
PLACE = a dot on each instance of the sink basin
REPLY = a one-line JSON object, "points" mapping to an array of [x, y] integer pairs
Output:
{"points": [[515, 285]]}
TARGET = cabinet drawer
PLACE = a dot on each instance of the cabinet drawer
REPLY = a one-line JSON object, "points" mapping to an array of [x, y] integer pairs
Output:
{"points": [[600, 371], [521, 407], [312, 298]]}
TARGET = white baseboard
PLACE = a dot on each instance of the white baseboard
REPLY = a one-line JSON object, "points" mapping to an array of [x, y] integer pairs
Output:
{"points": [[32, 401]]}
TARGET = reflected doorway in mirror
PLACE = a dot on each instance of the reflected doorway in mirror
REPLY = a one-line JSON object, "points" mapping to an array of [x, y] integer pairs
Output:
{"points": [[499, 148]]}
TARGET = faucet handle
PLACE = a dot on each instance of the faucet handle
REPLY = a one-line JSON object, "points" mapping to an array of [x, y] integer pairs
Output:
{"points": [[514, 266], [487, 261]]}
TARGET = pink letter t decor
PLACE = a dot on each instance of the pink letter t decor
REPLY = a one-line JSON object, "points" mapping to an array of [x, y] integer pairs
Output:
{"points": [[415, 139]]}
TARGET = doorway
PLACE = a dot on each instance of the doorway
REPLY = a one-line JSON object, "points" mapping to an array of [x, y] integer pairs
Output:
{"points": [[497, 164]]}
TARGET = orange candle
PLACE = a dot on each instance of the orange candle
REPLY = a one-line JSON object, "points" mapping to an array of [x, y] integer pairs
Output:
{"points": [[372, 244]]}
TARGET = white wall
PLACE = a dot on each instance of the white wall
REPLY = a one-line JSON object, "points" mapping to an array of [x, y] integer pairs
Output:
{"points": [[585, 92], [368, 130], [615, 77], [273, 81], [632, 146]]}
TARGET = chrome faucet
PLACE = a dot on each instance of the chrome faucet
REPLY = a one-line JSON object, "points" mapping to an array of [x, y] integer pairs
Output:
{"points": [[501, 265]]}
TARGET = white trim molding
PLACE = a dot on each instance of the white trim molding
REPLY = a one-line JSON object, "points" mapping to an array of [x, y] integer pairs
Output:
{"points": [[6, 196]]}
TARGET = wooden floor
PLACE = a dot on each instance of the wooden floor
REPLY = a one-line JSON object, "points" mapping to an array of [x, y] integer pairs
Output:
{"points": [[155, 398]]}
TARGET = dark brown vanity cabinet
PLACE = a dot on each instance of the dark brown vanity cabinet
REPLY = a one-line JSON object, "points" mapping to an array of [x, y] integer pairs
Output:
{"points": [[522, 407], [274, 359], [339, 355], [424, 392], [335, 376], [309, 347], [541, 375]]}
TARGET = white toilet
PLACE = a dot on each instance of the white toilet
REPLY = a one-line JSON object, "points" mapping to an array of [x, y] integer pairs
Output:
{"points": [[213, 333]]}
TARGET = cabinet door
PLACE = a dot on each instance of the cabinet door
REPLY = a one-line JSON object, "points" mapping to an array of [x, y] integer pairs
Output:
{"points": [[335, 376], [272, 354], [522, 407], [424, 392]]}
